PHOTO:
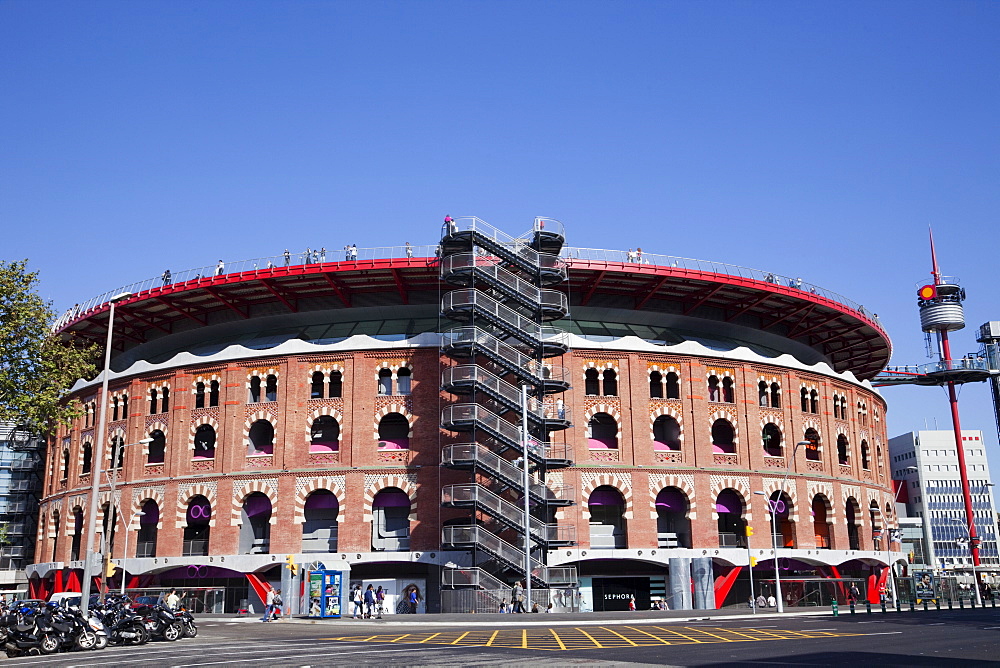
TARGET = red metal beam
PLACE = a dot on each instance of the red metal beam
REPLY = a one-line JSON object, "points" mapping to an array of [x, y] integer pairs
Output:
{"points": [[225, 302], [652, 291], [708, 295], [399, 285], [138, 317], [177, 308], [591, 288], [757, 302], [266, 282], [340, 290]]}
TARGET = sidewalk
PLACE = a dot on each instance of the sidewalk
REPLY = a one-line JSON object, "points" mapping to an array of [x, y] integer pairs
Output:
{"points": [[547, 619]]}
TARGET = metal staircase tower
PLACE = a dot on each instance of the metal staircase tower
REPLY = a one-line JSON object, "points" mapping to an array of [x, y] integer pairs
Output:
{"points": [[501, 303]]}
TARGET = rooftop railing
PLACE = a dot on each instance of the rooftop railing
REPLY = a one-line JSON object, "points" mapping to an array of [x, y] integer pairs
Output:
{"points": [[267, 266]]}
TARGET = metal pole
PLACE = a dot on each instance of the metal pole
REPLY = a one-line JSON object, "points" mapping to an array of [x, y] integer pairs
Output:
{"points": [[774, 543], [753, 600], [527, 516], [95, 468], [128, 530]]}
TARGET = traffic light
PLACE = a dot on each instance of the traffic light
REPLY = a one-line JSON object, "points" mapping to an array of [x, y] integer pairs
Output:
{"points": [[749, 530], [753, 561], [291, 565], [111, 570]]}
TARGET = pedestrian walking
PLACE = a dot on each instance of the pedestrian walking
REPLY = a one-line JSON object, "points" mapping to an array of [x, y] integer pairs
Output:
{"points": [[322, 254], [414, 598], [409, 250], [761, 601], [517, 597], [358, 600], [450, 224], [503, 605], [631, 603], [278, 603], [172, 599], [167, 278], [354, 251], [220, 268], [268, 605], [288, 258], [379, 602], [772, 602], [307, 256], [369, 602]]}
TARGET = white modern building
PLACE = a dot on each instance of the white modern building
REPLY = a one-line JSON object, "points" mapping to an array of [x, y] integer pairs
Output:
{"points": [[927, 462]]}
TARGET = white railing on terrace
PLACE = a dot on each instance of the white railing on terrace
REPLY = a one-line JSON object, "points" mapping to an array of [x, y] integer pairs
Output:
{"points": [[267, 266]]}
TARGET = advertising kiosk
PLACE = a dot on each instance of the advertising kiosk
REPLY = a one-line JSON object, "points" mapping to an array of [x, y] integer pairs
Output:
{"points": [[326, 593]]}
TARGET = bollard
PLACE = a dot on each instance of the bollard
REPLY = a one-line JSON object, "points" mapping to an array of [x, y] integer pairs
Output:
{"points": [[937, 603], [925, 605], [868, 606], [912, 606], [852, 607], [899, 608], [836, 608], [882, 603], [993, 599], [961, 603], [972, 603], [949, 603]]}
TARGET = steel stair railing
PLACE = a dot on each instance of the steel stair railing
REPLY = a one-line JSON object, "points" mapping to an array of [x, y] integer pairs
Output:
{"points": [[506, 356], [506, 513], [471, 577], [469, 377], [467, 454], [462, 304], [463, 268], [517, 251], [507, 554], [467, 417]]}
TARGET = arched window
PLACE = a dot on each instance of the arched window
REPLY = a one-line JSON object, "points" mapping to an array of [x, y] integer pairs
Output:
{"points": [[813, 452], [728, 395], [607, 519], [65, 464], [77, 534], [723, 437], [394, 432], [157, 448], [117, 454], [403, 378], [271, 388], [771, 438], [666, 433], [714, 389], [391, 521], [336, 384], [255, 531], [781, 505], [254, 394], [673, 528], [199, 395], [762, 394], [153, 401], [197, 530], [673, 386], [384, 382], [204, 442], [145, 545], [318, 383], [110, 524], [821, 526], [261, 438], [213, 396], [88, 458], [878, 455], [165, 400], [325, 435], [843, 450], [814, 402], [865, 461], [732, 529], [655, 385], [610, 383], [853, 515], [775, 395], [603, 432], [836, 406], [319, 531], [114, 408], [56, 524], [124, 407], [591, 383], [804, 394]]}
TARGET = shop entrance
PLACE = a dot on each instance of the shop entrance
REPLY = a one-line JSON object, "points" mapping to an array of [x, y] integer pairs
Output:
{"points": [[614, 593]]}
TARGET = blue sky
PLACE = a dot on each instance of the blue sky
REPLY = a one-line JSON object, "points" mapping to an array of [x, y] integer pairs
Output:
{"points": [[809, 139]]}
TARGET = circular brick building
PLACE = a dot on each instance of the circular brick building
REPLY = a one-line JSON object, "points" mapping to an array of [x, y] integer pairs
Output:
{"points": [[309, 405]]}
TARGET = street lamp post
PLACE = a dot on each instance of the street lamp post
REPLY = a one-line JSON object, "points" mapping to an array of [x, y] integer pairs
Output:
{"points": [[128, 530], [773, 507], [95, 486], [975, 571]]}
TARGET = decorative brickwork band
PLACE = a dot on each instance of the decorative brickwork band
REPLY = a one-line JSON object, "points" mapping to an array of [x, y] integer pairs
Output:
{"points": [[406, 483], [609, 480], [243, 489], [306, 486], [184, 496]]}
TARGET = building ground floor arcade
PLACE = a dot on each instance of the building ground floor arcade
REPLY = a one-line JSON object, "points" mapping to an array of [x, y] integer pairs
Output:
{"points": [[647, 524]]}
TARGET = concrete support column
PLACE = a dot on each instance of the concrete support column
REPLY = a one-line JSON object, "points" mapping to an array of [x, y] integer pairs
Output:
{"points": [[703, 577], [679, 584]]}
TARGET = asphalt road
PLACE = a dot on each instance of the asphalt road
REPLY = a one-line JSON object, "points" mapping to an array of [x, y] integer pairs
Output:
{"points": [[908, 639]]}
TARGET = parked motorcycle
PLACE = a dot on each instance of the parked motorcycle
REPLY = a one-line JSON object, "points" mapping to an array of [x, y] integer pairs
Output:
{"points": [[186, 619], [160, 622], [28, 631]]}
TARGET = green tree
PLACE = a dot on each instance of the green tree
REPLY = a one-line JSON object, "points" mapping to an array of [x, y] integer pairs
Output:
{"points": [[36, 368]]}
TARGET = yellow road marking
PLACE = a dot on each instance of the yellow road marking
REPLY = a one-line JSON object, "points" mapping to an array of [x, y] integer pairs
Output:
{"points": [[724, 639], [742, 634], [459, 638], [599, 645], [524, 638], [620, 636], [493, 637], [558, 639], [430, 637], [695, 640], [665, 642], [400, 637]]}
